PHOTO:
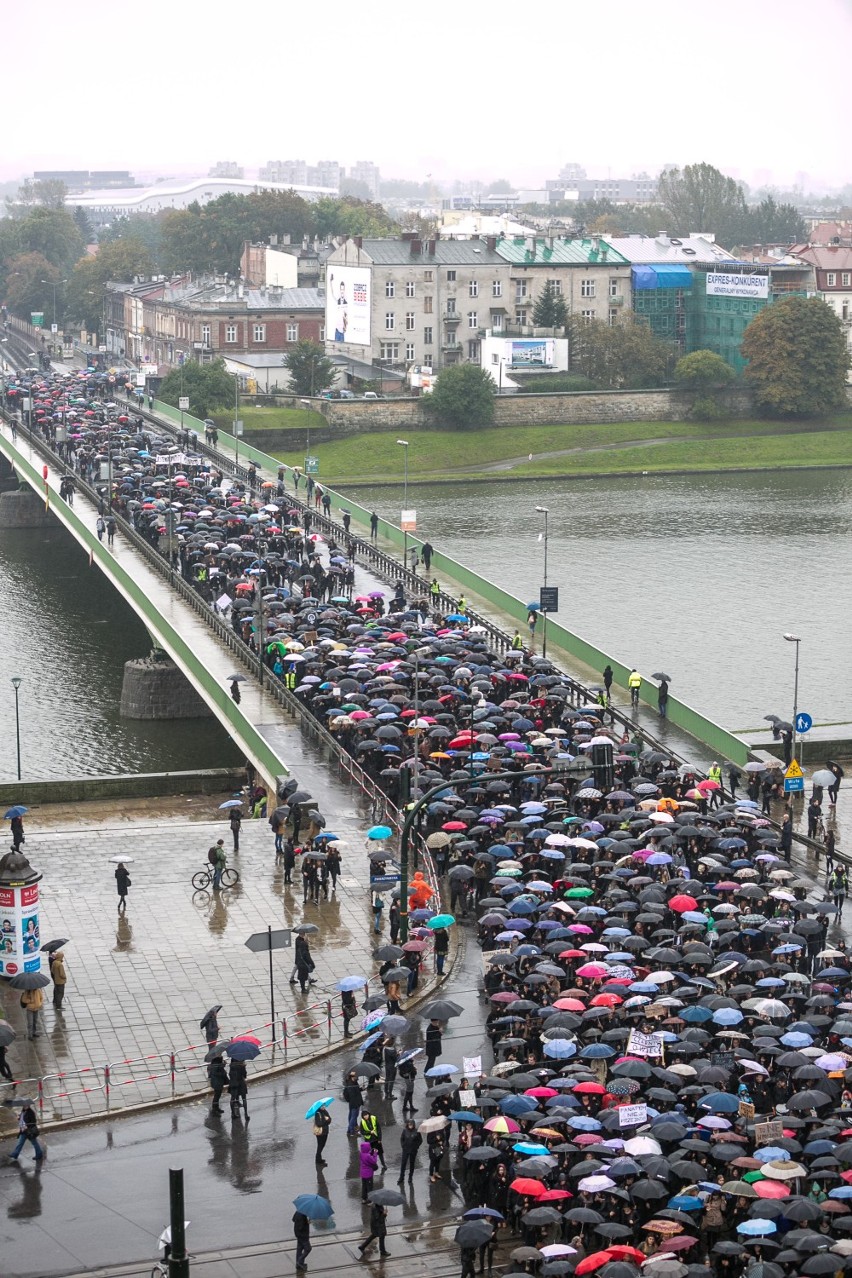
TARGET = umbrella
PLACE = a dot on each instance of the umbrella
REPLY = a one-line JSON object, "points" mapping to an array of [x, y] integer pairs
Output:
{"points": [[440, 1009], [121, 860], [7, 1034], [320, 1104], [29, 981], [19, 810], [387, 1198], [50, 947], [667, 678], [243, 1049], [346, 982], [314, 1206], [474, 1233], [231, 803]]}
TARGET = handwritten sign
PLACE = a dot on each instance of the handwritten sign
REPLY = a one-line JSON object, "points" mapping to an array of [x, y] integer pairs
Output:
{"points": [[644, 1044], [768, 1133], [471, 1066], [746, 1110], [467, 1098], [632, 1115]]}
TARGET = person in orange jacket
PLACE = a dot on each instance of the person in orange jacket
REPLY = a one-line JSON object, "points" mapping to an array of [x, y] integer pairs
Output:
{"points": [[419, 892]]}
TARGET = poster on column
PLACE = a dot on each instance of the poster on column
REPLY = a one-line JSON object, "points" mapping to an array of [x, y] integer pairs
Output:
{"points": [[20, 938]]}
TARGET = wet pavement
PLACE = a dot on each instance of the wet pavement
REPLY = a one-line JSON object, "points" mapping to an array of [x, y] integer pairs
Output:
{"points": [[139, 983]]}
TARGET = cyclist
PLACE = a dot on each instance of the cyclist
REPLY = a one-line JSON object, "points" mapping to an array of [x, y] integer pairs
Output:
{"points": [[634, 683], [218, 860]]}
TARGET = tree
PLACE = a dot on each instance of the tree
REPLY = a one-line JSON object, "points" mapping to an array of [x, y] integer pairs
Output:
{"points": [[350, 216], [797, 358], [463, 396], [311, 372], [54, 233], [502, 186], [84, 226], [209, 386], [120, 261], [49, 194], [210, 238], [143, 228], [26, 289], [700, 198], [703, 371], [549, 310], [772, 223], [621, 356]]}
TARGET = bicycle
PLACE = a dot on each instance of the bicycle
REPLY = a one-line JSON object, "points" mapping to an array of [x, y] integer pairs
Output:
{"points": [[203, 879]]}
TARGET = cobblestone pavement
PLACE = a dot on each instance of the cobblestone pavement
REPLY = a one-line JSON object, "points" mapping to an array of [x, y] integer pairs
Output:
{"points": [[139, 983]]}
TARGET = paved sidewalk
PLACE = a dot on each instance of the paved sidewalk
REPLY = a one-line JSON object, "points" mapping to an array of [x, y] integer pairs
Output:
{"points": [[138, 984]]}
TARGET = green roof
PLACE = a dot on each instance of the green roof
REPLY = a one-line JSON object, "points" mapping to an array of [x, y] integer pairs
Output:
{"points": [[555, 251]]}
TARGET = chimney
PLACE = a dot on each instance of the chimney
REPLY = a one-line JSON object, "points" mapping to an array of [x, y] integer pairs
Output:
{"points": [[359, 241], [273, 240], [416, 247], [491, 243], [431, 248], [408, 236]]}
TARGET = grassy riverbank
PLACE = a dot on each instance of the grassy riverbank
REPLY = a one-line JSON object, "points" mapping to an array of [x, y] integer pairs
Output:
{"points": [[436, 456]]}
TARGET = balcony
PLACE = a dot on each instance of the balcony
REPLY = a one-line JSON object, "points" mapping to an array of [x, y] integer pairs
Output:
{"points": [[450, 344], [618, 300], [451, 317]]}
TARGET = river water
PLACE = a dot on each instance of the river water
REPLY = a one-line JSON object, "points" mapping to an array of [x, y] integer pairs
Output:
{"points": [[67, 632], [697, 576]]}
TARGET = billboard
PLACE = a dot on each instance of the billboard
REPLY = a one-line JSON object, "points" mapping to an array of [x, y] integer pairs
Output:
{"points": [[721, 285], [531, 352], [20, 944], [347, 304]]}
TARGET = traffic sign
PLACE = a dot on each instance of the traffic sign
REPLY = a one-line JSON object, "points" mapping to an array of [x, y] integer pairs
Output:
{"points": [[548, 599], [794, 785], [183, 403], [794, 772], [804, 722], [312, 465], [280, 939]]}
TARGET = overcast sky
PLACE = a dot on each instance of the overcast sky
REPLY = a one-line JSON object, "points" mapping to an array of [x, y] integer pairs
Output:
{"points": [[759, 88]]}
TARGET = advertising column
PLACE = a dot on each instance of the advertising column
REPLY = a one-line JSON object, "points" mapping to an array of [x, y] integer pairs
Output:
{"points": [[20, 938]]}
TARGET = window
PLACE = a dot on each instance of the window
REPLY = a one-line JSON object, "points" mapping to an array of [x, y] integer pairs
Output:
{"points": [[844, 279], [389, 350], [613, 288], [409, 320], [390, 320], [409, 288], [427, 276], [613, 315], [259, 332], [390, 288], [520, 317], [292, 332], [451, 275], [496, 288], [472, 319], [322, 332], [831, 279], [845, 311], [205, 334], [587, 288], [409, 350], [451, 306], [427, 305], [230, 332], [473, 350], [587, 316], [427, 337], [520, 290], [556, 287], [473, 288], [497, 321]]}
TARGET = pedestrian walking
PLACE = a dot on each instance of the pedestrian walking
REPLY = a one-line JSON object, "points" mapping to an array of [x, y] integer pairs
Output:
{"points": [[235, 817], [814, 816], [289, 862], [100, 527], [830, 844], [607, 680], [734, 778], [532, 619], [368, 1164], [60, 978], [441, 942], [371, 1129], [390, 1060], [787, 834], [235, 691], [394, 921], [634, 683], [374, 527], [122, 883], [322, 1123], [834, 789], [238, 1089], [378, 1230], [217, 1076], [408, 1074], [32, 1001], [349, 1010], [410, 1141], [304, 963], [378, 907], [5, 1070], [16, 829], [28, 1131], [517, 641], [663, 698], [210, 1025], [838, 886], [110, 529], [427, 550], [437, 1148], [354, 1098], [302, 1234], [333, 865]]}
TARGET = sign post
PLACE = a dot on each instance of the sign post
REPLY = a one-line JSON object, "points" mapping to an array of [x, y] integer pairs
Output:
{"points": [[280, 939], [794, 781], [804, 722], [548, 599]]}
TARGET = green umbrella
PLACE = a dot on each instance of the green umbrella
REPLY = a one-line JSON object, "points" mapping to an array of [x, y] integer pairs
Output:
{"points": [[580, 892], [440, 920]]}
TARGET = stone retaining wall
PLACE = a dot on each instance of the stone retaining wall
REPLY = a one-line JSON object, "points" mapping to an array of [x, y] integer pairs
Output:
{"points": [[159, 690], [139, 785]]}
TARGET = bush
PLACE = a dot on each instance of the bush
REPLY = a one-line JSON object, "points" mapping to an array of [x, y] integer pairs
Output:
{"points": [[463, 396], [706, 409]]}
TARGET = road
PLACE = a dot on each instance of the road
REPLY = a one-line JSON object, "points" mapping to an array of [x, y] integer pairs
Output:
{"points": [[102, 1196]]}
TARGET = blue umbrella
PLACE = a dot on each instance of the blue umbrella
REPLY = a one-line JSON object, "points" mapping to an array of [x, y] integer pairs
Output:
{"points": [[315, 1207], [351, 983], [560, 1049], [242, 1050], [379, 832], [581, 1123], [368, 1042], [482, 1213], [794, 1039], [772, 1154], [685, 1202], [515, 1106], [410, 1055], [465, 1116], [320, 1104], [441, 1071], [597, 1051], [696, 1015], [530, 1148], [757, 1228], [231, 803], [727, 1016], [720, 1103], [17, 811]]}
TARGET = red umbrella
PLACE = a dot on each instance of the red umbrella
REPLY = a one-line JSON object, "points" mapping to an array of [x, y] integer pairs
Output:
{"points": [[553, 1195], [541, 1093], [454, 825], [682, 903], [526, 1185], [620, 1251], [589, 1089], [606, 1000], [593, 1261]]}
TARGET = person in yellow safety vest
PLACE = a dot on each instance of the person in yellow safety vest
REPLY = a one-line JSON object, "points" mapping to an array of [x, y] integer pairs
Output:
{"points": [[462, 604], [517, 641], [714, 773], [290, 678], [435, 590], [634, 683]]}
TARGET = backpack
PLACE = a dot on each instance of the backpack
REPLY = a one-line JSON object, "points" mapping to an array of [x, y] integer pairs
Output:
{"points": [[211, 855]]}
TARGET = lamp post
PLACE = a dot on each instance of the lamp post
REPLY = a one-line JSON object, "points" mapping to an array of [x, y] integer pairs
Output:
{"points": [[55, 286], [403, 443], [543, 510], [796, 639], [16, 683]]}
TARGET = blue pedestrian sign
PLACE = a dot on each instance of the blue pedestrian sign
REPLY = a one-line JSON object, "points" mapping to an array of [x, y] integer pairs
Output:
{"points": [[804, 722]]}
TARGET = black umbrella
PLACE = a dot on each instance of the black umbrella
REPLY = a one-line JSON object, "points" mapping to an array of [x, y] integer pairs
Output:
{"points": [[667, 678], [365, 1069], [50, 947], [542, 1216], [474, 1233], [440, 1009], [216, 1050], [387, 1198], [29, 981]]}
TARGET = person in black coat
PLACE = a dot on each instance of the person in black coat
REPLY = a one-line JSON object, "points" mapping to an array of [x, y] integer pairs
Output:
{"points": [[434, 1041], [217, 1075], [378, 1230], [237, 1089], [410, 1141], [354, 1098], [322, 1123], [302, 1234]]}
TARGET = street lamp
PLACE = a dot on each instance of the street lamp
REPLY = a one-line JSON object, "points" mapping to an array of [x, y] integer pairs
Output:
{"points": [[16, 683], [403, 443], [543, 510], [55, 286], [796, 639]]}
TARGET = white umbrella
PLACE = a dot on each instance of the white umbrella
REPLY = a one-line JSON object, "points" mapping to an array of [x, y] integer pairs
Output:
{"points": [[122, 860]]}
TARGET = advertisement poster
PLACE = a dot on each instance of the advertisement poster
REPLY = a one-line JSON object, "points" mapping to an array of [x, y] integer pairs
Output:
{"points": [[721, 285], [531, 353], [347, 304], [20, 938]]}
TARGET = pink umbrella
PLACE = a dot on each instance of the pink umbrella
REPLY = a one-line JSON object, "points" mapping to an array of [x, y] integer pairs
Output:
{"points": [[594, 970]]}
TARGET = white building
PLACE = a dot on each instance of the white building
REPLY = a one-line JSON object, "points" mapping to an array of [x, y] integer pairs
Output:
{"points": [[102, 206]]}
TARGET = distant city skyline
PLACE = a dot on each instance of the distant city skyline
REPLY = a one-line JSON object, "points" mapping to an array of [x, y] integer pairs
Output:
{"points": [[753, 86]]}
